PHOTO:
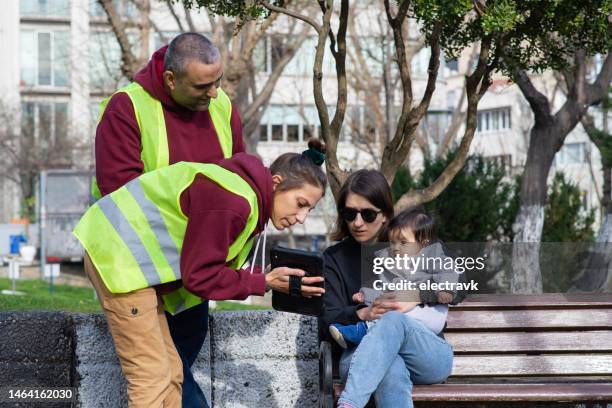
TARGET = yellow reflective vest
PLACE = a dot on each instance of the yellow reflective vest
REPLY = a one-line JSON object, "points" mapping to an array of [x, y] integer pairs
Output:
{"points": [[134, 235], [153, 137]]}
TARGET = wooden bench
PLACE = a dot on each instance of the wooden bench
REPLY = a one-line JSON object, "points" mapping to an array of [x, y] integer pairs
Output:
{"points": [[517, 348]]}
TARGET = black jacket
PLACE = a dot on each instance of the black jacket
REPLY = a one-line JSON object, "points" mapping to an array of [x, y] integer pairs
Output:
{"points": [[342, 272]]}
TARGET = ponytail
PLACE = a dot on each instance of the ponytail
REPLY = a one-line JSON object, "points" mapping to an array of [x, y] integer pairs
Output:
{"points": [[298, 169]]}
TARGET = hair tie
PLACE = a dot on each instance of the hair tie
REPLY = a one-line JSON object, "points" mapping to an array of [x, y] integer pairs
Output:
{"points": [[314, 155]]}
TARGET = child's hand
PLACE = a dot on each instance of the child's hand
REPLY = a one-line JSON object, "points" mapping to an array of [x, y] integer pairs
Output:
{"points": [[359, 297], [445, 297]]}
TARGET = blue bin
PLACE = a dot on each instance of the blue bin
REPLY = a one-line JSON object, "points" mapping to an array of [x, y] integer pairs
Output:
{"points": [[15, 242]]}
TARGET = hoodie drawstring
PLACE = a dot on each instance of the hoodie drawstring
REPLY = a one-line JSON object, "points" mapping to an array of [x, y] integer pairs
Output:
{"points": [[263, 250]]}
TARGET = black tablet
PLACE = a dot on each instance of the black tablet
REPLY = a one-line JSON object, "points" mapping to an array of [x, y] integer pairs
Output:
{"points": [[309, 262]]}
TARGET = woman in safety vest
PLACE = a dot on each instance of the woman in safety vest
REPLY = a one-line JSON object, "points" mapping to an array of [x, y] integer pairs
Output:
{"points": [[180, 234]]}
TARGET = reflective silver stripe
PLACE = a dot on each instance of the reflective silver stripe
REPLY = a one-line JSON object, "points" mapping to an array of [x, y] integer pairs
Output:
{"points": [[131, 239], [151, 211], [180, 307]]}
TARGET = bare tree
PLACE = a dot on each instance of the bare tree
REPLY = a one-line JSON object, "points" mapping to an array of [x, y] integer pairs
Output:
{"points": [[396, 149], [28, 149], [238, 40], [546, 138]]}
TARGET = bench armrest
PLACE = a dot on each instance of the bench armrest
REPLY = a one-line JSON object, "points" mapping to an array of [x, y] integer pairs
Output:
{"points": [[326, 389]]}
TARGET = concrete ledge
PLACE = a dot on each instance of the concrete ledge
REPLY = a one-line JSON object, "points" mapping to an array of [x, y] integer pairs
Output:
{"points": [[264, 359], [250, 359], [36, 349]]}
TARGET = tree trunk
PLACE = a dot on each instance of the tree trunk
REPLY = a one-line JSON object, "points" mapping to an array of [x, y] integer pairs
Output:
{"points": [[597, 274], [526, 275]]}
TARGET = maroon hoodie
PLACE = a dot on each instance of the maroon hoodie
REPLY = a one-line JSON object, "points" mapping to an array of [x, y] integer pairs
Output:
{"points": [[215, 219], [191, 135]]}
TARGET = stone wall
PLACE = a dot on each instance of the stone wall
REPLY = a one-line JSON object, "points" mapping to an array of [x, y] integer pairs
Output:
{"points": [[250, 359]]}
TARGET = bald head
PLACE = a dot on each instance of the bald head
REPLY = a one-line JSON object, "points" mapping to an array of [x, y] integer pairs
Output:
{"points": [[189, 47]]}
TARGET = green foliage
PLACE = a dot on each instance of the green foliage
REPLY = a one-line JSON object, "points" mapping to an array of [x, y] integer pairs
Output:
{"points": [[529, 34], [478, 205], [566, 236], [501, 16], [28, 209], [71, 298], [402, 182], [243, 9], [566, 219], [604, 143], [482, 201]]}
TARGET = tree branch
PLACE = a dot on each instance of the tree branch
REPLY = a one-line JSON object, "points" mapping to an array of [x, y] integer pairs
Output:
{"points": [[537, 101], [398, 148], [129, 62], [340, 58], [294, 14], [175, 16], [189, 20], [265, 93], [432, 74], [476, 85], [596, 92]]}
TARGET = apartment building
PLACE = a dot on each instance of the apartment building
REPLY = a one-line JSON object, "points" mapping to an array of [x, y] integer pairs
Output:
{"points": [[61, 60]]}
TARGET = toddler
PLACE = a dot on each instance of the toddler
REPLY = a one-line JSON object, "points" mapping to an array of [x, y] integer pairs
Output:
{"points": [[411, 233]]}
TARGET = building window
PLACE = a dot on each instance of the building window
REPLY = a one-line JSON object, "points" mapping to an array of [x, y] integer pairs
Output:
{"points": [[493, 120], [45, 58], [288, 123], [310, 131], [435, 125], [277, 133], [104, 61], [46, 8], [45, 124], [263, 133], [571, 153], [293, 133]]}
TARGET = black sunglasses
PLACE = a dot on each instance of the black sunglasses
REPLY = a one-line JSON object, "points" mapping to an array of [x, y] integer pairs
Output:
{"points": [[367, 214]]}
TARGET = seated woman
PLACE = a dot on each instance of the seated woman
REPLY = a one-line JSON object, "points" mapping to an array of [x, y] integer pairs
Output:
{"points": [[398, 350]]}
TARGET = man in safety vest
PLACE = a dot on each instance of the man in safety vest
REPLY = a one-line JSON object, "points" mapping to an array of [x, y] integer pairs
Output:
{"points": [[173, 111]]}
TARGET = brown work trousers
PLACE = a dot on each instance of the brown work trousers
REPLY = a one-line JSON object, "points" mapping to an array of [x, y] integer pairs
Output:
{"points": [[149, 360]]}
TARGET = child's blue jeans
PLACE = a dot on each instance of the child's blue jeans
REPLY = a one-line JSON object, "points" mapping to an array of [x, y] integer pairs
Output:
{"points": [[397, 352]]}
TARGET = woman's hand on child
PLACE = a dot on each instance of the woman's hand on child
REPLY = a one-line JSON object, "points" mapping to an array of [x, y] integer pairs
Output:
{"points": [[278, 279], [359, 297], [383, 304], [445, 297]]}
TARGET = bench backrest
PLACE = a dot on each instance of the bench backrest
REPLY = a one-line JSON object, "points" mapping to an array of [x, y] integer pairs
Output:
{"points": [[545, 335]]}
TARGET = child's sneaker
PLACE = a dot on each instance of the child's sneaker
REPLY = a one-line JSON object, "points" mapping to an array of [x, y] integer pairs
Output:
{"points": [[348, 335]]}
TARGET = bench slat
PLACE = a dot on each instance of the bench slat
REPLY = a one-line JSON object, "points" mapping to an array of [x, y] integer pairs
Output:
{"points": [[510, 392], [525, 365], [545, 300], [521, 319], [554, 341]]}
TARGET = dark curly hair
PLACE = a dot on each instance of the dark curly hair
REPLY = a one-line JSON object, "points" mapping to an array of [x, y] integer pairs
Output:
{"points": [[422, 225]]}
